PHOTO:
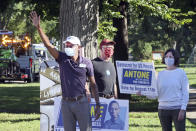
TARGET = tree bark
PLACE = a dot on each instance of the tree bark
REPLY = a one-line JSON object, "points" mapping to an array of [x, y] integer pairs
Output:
{"points": [[6, 15], [121, 38], [80, 18]]}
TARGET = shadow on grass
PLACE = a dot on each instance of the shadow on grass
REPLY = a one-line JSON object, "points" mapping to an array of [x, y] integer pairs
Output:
{"points": [[20, 99], [14, 82], [193, 86], [193, 121], [192, 95], [191, 73], [138, 125], [19, 120], [141, 103], [155, 126]]}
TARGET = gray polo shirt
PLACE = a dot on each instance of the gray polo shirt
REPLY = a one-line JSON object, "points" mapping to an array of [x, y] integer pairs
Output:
{"points": [[73, 75]]}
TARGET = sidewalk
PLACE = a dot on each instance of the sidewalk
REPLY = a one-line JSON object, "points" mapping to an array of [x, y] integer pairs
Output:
{"points": [[191, 109]]}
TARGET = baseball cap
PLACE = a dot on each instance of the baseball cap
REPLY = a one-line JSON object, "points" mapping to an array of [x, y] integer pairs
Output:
{"points": [[106, 42], [73, 39]]}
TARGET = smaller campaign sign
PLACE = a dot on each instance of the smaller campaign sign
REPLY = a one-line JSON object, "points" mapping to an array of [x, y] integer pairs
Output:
{"points": [[136, 77], [114, 115]]}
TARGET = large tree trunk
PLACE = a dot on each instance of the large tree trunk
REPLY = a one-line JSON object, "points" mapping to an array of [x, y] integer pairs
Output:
{"points": [[80, 18], [121, 39], [6, 16]]}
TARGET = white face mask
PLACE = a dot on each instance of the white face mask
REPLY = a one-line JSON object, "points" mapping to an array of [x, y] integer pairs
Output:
{"points": [[169, 61], [70, 51]]}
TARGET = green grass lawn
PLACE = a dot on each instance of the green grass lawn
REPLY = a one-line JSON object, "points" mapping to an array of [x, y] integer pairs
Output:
{"points": [[141, 103], [191, 74], [149, 121], [20, 97], [19, 122], [19, 107]]}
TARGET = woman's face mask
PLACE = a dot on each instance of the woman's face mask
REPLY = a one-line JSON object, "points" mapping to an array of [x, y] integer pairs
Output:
{"points": [[169, 61]]}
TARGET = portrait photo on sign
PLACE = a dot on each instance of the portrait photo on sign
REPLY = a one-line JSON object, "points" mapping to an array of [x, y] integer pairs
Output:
{"points": [[115, 116]]}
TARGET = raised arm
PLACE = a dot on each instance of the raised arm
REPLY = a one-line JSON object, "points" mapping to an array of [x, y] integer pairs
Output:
{"points": [[36, 22]]}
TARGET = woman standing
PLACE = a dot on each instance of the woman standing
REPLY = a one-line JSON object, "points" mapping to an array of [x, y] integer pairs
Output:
{"points": [[173, 95]]}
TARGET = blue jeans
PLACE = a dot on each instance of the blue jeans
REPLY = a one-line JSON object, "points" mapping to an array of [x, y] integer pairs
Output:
{"points": [[167, 116], [73, 111]]}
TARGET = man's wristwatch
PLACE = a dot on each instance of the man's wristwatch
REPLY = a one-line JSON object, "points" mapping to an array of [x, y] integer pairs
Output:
{"points": [[98, 104]]}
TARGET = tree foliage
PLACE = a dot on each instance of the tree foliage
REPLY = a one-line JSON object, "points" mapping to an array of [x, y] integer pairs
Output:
{"points": [[14, 16], [163, 33], [158, 23], [157, 8]]}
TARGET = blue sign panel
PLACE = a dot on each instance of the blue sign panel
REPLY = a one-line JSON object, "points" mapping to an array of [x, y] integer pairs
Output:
{"points": [[137, 77]]}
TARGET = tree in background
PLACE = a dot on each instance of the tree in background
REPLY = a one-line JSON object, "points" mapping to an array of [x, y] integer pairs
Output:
{"points": [[14, 16], [113, 25], [49, 11], [161, 33], [121, 37], [6, 10], [80, 18], [150, 22], [153, 24]]}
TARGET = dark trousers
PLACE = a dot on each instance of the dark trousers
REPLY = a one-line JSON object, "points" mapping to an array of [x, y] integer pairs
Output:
{"points": [[73, 111], [167, 116]]}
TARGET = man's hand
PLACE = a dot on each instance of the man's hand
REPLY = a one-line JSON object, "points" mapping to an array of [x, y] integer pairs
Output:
{"points": [[181, 115], [97, 112], [88, 95], [35, 19], [36, 22]]}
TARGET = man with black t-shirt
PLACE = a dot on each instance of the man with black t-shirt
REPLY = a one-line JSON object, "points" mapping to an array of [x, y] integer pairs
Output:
{"points": [[104, 70]]}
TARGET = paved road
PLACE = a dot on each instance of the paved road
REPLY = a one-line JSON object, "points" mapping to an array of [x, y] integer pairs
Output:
{"points": [[191, 109]]}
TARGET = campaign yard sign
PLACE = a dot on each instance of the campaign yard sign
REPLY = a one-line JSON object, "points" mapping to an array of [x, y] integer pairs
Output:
{"points": [[136, 76], [109, 110]]}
